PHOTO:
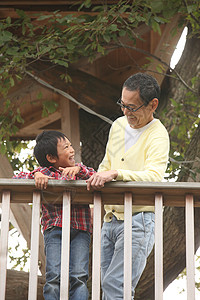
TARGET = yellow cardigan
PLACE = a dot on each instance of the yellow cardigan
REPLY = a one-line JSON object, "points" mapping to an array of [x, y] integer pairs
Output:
{"points": [[144, 161]]}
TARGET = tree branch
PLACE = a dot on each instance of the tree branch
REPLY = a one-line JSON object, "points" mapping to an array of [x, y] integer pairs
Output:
{"points": [[161, 61]]}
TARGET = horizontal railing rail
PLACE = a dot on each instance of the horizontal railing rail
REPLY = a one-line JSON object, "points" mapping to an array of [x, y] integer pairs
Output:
{"points": [[186, 194]]}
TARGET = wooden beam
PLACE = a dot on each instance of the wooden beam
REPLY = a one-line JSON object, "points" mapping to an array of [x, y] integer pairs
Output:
{"points": [[88, 90], [48, 2], [33, 127]]}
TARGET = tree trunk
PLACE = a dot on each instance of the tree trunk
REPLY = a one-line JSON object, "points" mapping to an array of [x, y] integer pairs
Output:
{"points": [[17, 285], [174, 217]]}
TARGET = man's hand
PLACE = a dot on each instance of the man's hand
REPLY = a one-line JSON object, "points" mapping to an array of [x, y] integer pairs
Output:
{"points": [[41, 180], [97, 180], [70, 171]]}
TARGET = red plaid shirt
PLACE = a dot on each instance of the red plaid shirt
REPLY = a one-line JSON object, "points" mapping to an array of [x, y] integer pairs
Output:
{"points": [[52, 213]]}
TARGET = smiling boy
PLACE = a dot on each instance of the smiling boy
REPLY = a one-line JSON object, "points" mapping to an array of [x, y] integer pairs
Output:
{"points": [[55, 155]]}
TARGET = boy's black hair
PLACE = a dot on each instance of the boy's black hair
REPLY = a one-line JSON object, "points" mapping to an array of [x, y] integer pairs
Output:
{"points": [[145, 84], [46, 143]]}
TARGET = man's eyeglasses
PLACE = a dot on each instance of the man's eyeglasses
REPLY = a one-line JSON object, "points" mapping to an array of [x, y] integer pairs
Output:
{"points": [[119, 102]]}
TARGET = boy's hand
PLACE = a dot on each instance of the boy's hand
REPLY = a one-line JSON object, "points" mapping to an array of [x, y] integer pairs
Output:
{"points": [[70, 171], [41, 180]]}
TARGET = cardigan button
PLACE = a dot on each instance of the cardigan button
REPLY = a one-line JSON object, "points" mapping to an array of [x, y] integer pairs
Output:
{"points": [[122, 159]]}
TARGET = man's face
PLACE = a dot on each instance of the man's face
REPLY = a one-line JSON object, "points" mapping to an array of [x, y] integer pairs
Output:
{"points": [[65, 154], [143, 115]]}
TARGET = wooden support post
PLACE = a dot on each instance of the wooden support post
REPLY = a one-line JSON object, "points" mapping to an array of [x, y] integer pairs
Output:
{"points": [[158, 247], [4, 242], [35, 229], [70, 124], [64, 276], [190, 262], [127, 246], [96, 256]]}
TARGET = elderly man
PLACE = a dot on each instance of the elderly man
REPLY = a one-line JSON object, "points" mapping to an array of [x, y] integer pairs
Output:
{"points": [[137, 150]]}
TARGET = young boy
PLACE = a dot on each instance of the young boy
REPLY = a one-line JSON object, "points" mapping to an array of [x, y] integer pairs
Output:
{"points": [[55, 155]]}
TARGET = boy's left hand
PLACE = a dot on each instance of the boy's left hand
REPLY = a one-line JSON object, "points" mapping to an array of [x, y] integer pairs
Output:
{"points": [[70, 171]]}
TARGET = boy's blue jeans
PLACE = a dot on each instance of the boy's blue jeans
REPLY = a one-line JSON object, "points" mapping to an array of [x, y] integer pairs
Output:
{"points": [[112, 253], [78, 268]]}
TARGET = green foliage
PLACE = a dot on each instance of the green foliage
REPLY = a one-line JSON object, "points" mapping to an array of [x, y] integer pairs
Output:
{"points": [[19, 262], [13, 149]]}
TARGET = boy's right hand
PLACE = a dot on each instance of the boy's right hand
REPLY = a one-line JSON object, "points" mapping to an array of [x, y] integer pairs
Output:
{"points": [[41, 180]]}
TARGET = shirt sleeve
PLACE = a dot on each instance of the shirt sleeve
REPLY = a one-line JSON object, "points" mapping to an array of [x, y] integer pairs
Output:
{"points": [[24, 175], [85, 172], [30, 175]]}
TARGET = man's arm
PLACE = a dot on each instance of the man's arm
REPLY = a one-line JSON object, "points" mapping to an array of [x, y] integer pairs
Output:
{"points": [[97, 180]]}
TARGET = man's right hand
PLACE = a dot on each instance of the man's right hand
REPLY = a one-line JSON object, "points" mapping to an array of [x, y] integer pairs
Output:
{"points": [[41, 180]]}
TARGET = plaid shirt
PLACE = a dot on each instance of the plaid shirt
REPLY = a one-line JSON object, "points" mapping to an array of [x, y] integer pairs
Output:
{"points": [[52, 213]]}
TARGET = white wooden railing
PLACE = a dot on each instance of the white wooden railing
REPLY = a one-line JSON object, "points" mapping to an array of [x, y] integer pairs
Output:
{"points": [[136, 193]]}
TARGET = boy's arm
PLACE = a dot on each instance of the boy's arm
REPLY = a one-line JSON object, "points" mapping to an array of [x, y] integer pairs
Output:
{"points": [[70, 172], [79, 171], [85, 172], [41, 180]]}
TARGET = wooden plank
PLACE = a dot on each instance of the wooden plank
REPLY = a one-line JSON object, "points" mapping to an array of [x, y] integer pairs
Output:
{"points": [[173, 192], [158, 247], [127, 246], [96, 255], [190, 260], [35, 226], [64, 276], [4, 242]]}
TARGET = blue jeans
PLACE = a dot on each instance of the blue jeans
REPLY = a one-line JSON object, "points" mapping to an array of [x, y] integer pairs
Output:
{"points": [[112, 253], [78, 266]]}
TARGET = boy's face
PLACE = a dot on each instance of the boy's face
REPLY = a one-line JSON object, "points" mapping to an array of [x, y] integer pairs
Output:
{"points": [[65, 154]]}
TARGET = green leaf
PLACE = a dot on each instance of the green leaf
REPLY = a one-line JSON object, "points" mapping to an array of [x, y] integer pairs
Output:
{"points": [[12, 51], [41, 18], [106, 38], [156, 6], [8, 20], [49, 107], [113, 27], [3, 149], [12, 82], [156, 27], [5, 36], [39, 95]]}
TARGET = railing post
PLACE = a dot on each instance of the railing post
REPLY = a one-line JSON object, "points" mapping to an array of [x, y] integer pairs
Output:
{"points": [[35, 227], [96, 255], [4, 242], [66, 217], [127, 245], [190, 261], [158, 247]]}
